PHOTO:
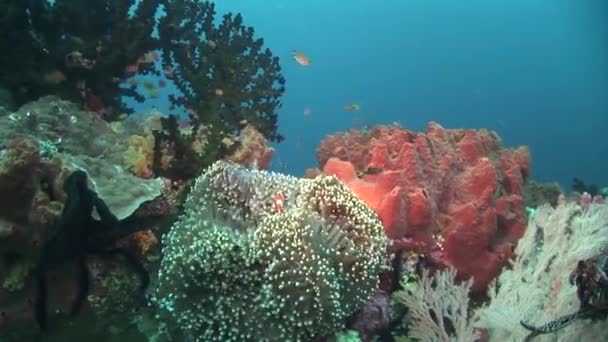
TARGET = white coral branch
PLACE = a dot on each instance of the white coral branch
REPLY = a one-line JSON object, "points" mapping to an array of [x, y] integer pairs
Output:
{"points": [[537, 290], [432, 302]]}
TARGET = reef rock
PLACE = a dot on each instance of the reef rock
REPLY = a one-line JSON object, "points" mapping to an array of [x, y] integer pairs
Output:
{"points": [[41, 144], [62, 126]]}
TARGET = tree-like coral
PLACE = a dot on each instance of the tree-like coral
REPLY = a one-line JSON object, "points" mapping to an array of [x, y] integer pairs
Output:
{"points": [[87, 51], [236, 268], [78, 50], [222, 70]]}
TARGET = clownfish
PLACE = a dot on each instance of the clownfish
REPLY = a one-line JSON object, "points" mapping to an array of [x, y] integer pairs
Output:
{"points": [[278, 200]]}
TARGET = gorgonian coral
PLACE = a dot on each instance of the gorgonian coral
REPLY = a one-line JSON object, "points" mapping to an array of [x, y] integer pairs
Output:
{"points": [[235, 268]]}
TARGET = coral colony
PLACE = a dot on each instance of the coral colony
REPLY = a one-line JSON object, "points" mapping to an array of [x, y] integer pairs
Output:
{"points": [[169, 227]]}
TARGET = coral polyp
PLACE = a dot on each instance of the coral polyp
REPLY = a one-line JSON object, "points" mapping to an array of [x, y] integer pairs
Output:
{"points": [[236, 269]]}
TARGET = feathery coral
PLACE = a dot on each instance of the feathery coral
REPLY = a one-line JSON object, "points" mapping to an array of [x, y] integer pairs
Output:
{"points": [[537, 289], [438, 307], [236, 269]]}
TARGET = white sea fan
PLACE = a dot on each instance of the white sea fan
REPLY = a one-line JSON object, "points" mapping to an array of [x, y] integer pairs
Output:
{"points": [[537, 289], [438, 296]]}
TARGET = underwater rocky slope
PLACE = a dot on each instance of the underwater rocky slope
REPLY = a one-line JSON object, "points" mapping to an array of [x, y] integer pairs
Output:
{"points": [[398, 235]]}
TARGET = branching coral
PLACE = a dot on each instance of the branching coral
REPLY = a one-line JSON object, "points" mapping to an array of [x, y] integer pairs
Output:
{"points": [[180, 156], [84, 52], [438, 308], [223, 71], [78, 50], [235, 268]]}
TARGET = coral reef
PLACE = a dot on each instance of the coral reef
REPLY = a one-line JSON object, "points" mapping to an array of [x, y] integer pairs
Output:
{"points": [[227, 78], [253, 150], [182, 153], [123, 192], [591, 283], [62, 126], [77, 50], [536, 194], [111, 279], [39, 151], [179, 156], [539, 287], [51, 137], [235, 267], [35, 206], [71, 239], [29, 209], [90, 54], [455, 195]]}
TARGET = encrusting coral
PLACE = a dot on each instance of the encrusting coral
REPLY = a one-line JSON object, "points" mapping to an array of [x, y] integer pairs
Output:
{"points": [[238, 266]]}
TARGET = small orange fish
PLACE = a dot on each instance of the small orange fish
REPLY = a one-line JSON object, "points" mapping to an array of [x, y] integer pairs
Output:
{"points": [[301, 58], [278, 200], [352, 106]]}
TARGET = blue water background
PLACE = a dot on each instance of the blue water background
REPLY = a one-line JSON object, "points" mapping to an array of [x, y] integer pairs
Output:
{"points": [[535, 71]]}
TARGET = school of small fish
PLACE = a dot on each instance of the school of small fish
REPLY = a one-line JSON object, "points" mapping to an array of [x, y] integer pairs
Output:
{"points": [[303, 60]]}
